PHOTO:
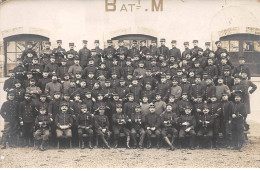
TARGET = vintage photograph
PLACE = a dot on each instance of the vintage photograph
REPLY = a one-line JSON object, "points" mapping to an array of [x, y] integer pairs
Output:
{"points": [[129, 84]]}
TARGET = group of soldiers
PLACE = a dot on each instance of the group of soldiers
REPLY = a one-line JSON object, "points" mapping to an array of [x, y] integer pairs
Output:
{"points": [[193, 98]]}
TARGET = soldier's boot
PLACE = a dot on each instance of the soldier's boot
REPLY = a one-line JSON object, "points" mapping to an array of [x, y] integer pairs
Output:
{"points": [[90, 142], [115, 143], [82, 143], [166, 139], [149, 143], [158, 144], [216, 144], [141, 141], [11, 142], [239, 146], [25, 142], [42, 146], [37, 144], [30, 142], [192, 139], [135, 142], [127, 142], [4, 144], [105, 142]]}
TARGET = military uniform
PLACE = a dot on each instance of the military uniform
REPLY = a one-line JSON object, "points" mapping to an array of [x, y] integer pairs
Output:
{"points": [[59, 53], [84, 55]]}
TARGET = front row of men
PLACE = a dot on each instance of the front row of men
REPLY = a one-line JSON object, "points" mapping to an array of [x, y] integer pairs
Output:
{"points": [[198, 125]]}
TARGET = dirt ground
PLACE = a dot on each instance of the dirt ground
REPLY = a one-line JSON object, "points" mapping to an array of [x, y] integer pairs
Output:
{"points": [[181, 158]]}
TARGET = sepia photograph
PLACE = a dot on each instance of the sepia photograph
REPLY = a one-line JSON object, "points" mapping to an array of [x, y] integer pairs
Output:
{"points": [[129, 84]]}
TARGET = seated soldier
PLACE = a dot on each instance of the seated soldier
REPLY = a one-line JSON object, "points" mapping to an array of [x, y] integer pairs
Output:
{"points": [[64, 122], [187, 124], [137, 126], [120, 120], [85, 125], [42, 123], [205, 126], [152, 125], [169, 123], [102, 125]]}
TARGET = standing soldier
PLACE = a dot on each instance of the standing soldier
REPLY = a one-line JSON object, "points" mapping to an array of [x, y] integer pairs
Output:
{"points": [[42, 126], [175, 51], [197, 89], [99, 52], [45, 54], [9, 84], [120, 125], [62, 69], [152, 126], [210, 89], [36, 69], [195, 49], [59, 52], [154, 49], [129, 107], [134, 50], [169, 124], [73, 69], [9, 112], [121, 48], [219, 50], [102, 126], [143, 49], [53, 86], [135, 89], [71, 54], [163, 49], [28, 53], [137, 119], [163, 88], [207, 50], [26, 117], [18, 92], [186, 50], [175, 90], [84, 54], [44, 80], [237, 123], [242, 68], [187, 124], [85, 122], [109, 50], [19, 70], [52, 66]]}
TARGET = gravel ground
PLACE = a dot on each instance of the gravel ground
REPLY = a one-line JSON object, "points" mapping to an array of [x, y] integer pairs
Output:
{"points": [[182, 158]]}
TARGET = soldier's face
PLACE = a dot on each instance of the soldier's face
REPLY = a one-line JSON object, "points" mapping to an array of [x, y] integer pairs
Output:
{"points": [[153, 62], [121, 44], [47, 46], [173, 44], [45, 74], [119, 110], [237, 80], [76, 61], [32, 83], [174, 82], [107, 84], [145, 99], [168, 77], [220, 81], [35, 61], [42, 112], [131, 98], [100, 98], [64, 108], [199, 99], [72, 84], [195, 44], [114, 76], [122, 83], [96, 44], [67, 77], [27, 97], [84, 110], [169, 108], [83, 84], [191, 74], [134, 45], [78, 76], [188, 111], [91, 62], [244, 75], [223, 61], [57, 96], [163, 80], [96, 85], [103, 66], [184, 97], [114, 62], [152, 109], [148, 73], [11, 74], [219, 44], [237, 98], [148, 86], [158, 97], [154, 44], [213, 99], [226, 73], [205, 111], [162, 43], [91, 75], [71, 47], [207, 46], [59, 44], [141, 65], [137, 110], [28, 76], [211, 55], [43, 99], [77, 98], [63, 63], [128, 63], [88, 95], [184, 80], [11, 97], [66, 98], [171, 99], [109, 44], [18, 85], [224, 97], [116, 98], [85, 44], [52, 60], [241, 61], [101, 111], [197, 80], [200, 53], [186, 46], [172, 59], [208, 81], [129, 77], [210, 62], [135, 82]]}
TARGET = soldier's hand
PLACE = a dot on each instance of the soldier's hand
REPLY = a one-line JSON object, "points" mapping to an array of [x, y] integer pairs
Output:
{"points": [[21, 123], [234, 115], [153, 128], [187, 130], [104, 130], [148, 128], [229, 121], [129, 120]]}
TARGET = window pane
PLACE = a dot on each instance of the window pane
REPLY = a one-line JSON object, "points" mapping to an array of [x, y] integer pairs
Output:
{"points": [[234, 46], [11, 58], [248, 46], [225, 45], [257, 46], [11, 46], [20, 46]]}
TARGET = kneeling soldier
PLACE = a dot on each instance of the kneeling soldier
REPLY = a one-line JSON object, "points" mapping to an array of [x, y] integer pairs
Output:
{"points": [[137, 126], [102, 125], [169, 122], [42, 124], [205, 126], [152, 125], [120, 119], [85, 125], [64, 122], [187, 123]]}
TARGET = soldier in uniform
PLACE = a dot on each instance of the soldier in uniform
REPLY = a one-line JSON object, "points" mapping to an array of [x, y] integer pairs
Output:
{"points": [[175, 90], [53, 86], [121, 48], [207, 50], [219, 50], [148, 92], [9, 84], [210, 89], [186, 50], [143, 49], [28, 53], [242, 68], [120, 120], [45, 54], [195, 49], [44, 80], [152, 125], [228, 79], [175, 51], [85, 123], [9, 112], [27, 114], [169, 123], [159, 104], [129, 107], [42, 126], [84, 54], [197, 89], [154, 49], [52, 66], [19, 70], [163, 88], [135, 89], [137, 119], [62, 69], [221, 88], [134, 50], [99, 51], [187, 124], [102, 126], [237, 123], [18, 91], [73, 69], [163, 49], [109, 50], [36, 69], [59, 52], [71, 54]]}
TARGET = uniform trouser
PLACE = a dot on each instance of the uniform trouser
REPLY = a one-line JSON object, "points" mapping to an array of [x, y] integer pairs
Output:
{"points": [[216, 128], [27, 130], [82, 131], [225, 128], [157, 132], [237, 128], [103, 135], [10, 131], [141, 133], [118, 129], [170, 130], [191, 134], [205, 135], [42, 134], [63, 133]]}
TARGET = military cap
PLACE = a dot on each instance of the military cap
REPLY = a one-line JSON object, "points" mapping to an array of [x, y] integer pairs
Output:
{"points": [[188, 107], [57, 92], [196, 62], [10, 93], [173, 41], [226, 69], [100, 94], [174, 78], [83, 106], [130, 94], [82, 80], [162, 40], [151, 105], [29, 72], [109, 41], [143, 41], [66, 74], [121, 53], [153, 41], [17, 81], [157, 94], [115, 94], [141, 62], [168, 73], [168, 104], [200, 49], [217, 42], [136, 55], [205, 73], [122, 79], [148, 83], [11, 71], [197, 76], [148, 53], [195, 41], [153, 59], [128, 58], [66, 94], [209, 78], [35, 58], [63, 60], [213, 95], [63, 104], [241, 58], [186, 43], [119, 41], [54, 74], [43, 95], [27, 94], [137, 106], [184, 76], [84, 41], [199, 96], [101, 108], [179, 70], [71, 44], [118, 106], [76, 58], [163, 75], [224, 94], [205, 107], [184, 93], [238, 94], [87, 91], [30, 43], [32, 80], [96, 41], [78, 72], [134, 41], [107, 81], [134, 78], [237, 75], [93, 50], [207, 43], [42, 108], [48, 43], [59, 41], [220, 77], [52, 56]]}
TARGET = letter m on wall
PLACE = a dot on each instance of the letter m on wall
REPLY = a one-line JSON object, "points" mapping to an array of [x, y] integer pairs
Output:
{"points": [[157, 5]]}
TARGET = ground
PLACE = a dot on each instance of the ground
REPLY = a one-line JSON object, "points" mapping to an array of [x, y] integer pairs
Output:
{"points": [[29, 157]]}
